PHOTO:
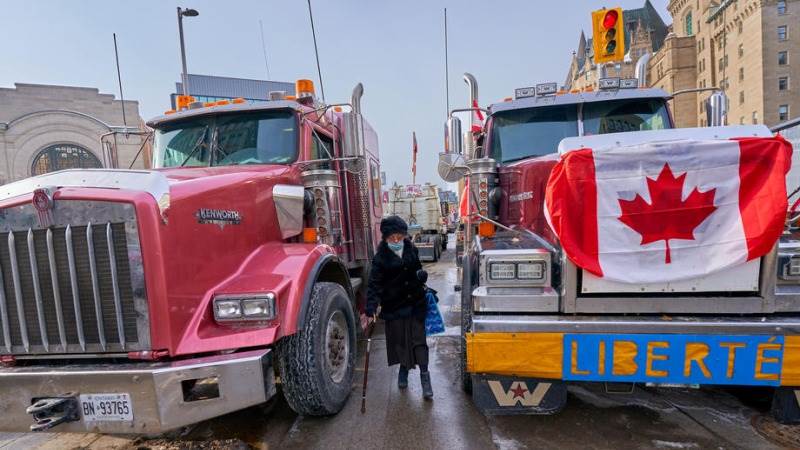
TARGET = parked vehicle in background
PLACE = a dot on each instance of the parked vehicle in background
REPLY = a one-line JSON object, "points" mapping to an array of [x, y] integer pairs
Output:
{"points": [[537, 315], [449, 201], [420, 206], [141, 301]]}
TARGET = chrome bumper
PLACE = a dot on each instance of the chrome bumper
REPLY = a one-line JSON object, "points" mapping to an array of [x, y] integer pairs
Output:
{"points": [[161, 393], [636, 325]]}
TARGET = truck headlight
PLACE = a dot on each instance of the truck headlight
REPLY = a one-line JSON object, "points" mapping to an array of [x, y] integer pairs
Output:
{"points": [[502, 271], [247, 307], [531, 271], [789, 266], [515, 267]]}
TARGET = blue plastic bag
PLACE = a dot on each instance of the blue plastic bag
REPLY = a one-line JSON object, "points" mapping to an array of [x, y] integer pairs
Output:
{"points": [[434, 323]]}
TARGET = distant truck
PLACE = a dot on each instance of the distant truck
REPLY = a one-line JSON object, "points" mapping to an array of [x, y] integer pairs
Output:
{"points": [[420, 207], [449, 202]]}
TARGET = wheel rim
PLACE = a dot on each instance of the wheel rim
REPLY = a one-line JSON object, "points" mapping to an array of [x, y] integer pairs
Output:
{"points": [[337, 346]]}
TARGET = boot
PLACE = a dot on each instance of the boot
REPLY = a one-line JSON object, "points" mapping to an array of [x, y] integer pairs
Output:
{"points": [[427, 389], [402, 378]]}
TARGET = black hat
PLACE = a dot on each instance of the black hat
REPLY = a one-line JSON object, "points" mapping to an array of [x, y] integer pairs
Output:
{"points": [[391, 225]]}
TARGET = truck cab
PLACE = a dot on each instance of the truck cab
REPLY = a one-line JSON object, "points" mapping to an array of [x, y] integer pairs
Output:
{"points": [[139, 301], [534, 321]]}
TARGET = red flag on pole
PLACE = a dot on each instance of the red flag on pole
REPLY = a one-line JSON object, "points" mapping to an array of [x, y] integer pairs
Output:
{"points": [[477, 118], [414, 160]]}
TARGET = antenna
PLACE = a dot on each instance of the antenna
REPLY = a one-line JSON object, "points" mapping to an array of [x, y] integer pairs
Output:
{"points": [[446, 68], [264, 47], [119, 79], [316, 51]]}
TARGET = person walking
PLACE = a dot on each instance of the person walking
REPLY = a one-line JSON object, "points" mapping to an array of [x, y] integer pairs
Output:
{"points": [[397, 285]]}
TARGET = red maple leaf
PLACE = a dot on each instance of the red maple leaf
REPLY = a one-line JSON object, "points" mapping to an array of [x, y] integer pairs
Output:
{"points": [[668, 216]]}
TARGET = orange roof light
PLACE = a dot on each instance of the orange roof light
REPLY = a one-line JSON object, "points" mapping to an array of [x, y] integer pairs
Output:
{"points": [[169, 111], [209, 104], [183, 101], [237, 101], [508, 99], [223, 102], [337, 108], [291, 97], [304, 88]]}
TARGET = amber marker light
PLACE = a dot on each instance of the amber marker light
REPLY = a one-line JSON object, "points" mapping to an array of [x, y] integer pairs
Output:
{"points": [[309, 235]]}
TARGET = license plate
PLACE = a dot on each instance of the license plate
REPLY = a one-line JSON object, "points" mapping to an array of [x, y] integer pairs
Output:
{"points": [[106, 407], [674, 358]]}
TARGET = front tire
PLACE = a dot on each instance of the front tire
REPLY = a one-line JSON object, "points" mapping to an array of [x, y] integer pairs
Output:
{"points": [[317, 363]]}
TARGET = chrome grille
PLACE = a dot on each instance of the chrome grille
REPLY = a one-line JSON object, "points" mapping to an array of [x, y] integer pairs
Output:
{"points": [[74, 287]]}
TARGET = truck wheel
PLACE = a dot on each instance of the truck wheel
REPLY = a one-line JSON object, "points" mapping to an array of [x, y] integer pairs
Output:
{"points": [[466, 323], [316, 363]]}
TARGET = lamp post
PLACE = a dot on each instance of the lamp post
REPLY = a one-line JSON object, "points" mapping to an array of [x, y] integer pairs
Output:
{"points": [[188, 12]]}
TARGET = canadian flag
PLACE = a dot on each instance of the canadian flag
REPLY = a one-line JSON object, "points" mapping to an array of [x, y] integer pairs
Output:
{"points": [[669, 211]]}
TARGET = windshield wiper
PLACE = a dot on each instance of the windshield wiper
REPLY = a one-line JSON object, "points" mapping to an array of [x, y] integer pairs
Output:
{"points": [[197, 145]]}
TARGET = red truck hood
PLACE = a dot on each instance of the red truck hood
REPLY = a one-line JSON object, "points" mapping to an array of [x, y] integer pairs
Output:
{"points": [[523, 183], [188, 181]]}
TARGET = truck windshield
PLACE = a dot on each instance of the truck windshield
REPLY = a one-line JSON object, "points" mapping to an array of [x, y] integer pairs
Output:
{"points": [[266, 137], [624, 115], [524, 133]]}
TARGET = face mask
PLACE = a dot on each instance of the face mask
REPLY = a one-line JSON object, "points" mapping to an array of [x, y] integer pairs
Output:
{"points": [[395, 246]]}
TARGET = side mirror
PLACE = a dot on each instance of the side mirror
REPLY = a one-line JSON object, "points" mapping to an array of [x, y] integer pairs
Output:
{"points": [[453, 136], [451, 167]]}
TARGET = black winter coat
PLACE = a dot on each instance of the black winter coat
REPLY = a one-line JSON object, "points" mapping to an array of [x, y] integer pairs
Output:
{"points": [[393, 284]]}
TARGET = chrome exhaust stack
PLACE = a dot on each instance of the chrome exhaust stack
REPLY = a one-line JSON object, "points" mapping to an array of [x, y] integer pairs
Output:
{"points": [[641, 69]]}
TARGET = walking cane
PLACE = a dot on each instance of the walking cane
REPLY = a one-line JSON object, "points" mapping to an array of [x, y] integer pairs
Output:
{"points": [[370, 329]]}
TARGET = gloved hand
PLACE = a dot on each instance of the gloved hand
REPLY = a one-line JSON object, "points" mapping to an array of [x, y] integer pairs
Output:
{"points": [[422, 276]]}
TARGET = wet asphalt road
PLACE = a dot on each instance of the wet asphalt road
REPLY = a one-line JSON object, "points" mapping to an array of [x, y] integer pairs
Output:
{"points": [[593, 419]]}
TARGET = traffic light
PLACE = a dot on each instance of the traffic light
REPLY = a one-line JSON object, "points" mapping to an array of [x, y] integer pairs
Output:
{"points": [[608, 35]]}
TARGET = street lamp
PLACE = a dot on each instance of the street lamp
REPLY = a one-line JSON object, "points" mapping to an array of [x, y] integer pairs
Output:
{"points": [[188, 12]]}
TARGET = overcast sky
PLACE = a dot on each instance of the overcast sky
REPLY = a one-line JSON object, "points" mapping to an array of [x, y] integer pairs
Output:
{"points": [[396, 48]]}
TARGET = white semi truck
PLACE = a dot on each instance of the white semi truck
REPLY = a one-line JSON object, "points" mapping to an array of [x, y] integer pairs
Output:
{"points": [[420, 207]]}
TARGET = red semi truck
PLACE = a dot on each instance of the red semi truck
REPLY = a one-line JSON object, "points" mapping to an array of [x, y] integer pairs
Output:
{"points": [[536, 316], [139, 301]]}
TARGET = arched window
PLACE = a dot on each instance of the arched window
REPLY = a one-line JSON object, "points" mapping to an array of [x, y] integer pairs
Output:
{"points": [[63, 156], [688, 22]]}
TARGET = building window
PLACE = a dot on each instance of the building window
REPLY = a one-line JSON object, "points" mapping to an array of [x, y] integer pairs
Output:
{"points": [[63, 156], [741, 97], [755, 118], [783, 83], [741, 50], [783, 113], [688, 22], [783, 58], [782, 33], [741, 73], [741, 120], [781, 7]]}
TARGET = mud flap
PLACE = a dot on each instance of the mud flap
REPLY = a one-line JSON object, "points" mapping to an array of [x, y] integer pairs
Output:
{"points": [[786, 405], [504, 395]]}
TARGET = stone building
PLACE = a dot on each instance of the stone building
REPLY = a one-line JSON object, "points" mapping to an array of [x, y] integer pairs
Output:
{"points": [[750, 49], [46, 128], [673, 68], [645, 32]]}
